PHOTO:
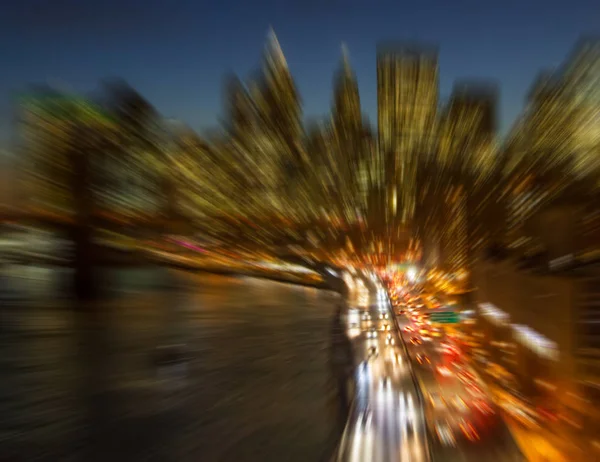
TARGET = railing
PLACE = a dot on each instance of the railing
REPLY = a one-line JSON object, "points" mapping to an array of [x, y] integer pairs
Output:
{"points": [[340, 451]]}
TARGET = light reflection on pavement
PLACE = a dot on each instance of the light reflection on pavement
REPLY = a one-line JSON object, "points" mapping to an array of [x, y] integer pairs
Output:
{"points": [[386, 422]]}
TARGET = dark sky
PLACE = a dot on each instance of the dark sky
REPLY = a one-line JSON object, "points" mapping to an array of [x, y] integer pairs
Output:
{"points": [[176, 52]]}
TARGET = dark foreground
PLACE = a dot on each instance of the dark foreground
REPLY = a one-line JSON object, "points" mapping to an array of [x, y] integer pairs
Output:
{"points": [[175, 367]]}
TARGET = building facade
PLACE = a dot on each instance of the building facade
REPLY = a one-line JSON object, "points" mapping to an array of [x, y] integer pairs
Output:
{"points": [[407, 100]]}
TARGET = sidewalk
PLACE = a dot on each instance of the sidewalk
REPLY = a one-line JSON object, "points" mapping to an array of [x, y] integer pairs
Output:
{"points": [[543, 443], [535, 447]]}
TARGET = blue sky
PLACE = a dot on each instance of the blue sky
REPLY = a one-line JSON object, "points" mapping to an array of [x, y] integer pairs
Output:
{"points": [[177, 52]]}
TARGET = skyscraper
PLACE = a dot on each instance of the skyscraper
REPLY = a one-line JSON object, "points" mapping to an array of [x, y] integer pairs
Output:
{"points": [[407, 97], [346, 112], [454, 236], [581, 75], [279, 151], [281, 102], [541, 153], [467, 129], [348, 136], [468, 156]]}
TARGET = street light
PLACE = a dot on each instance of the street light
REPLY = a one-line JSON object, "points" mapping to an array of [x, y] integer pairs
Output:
{"points": [[411, 274]]}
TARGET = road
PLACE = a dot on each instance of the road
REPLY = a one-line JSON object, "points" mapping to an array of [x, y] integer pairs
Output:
{"points": [[386, 422], [455, 399]]}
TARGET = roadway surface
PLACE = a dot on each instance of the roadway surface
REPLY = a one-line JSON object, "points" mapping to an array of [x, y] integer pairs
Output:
{"points": [[455, 397], [386, 422]]}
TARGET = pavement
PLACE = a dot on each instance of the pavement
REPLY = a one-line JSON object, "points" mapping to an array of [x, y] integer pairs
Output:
{"points": [[386, 422], [539, 440]]}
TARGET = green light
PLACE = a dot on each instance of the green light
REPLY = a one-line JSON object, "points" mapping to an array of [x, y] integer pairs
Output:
{"points": [[445, 317]]}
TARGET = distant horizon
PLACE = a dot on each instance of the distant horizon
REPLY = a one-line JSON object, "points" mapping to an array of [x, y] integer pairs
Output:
{"points": [[443, 98], [208, 129], [176, 55]]}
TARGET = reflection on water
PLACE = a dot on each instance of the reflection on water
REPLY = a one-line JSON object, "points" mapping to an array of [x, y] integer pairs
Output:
{"points": [[249, 377]]}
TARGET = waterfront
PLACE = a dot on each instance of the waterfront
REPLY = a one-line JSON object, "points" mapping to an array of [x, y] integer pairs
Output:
{"points": [[248, 376]]}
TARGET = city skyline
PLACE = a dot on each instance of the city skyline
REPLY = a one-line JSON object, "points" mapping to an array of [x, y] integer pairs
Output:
{"points": [[428, 208], [194, 96], [426, 150]]}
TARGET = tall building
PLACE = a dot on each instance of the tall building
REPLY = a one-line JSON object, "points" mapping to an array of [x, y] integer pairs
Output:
{"points": [[278, 136], [581, 76], [545, 137], [191, 184], [349, 141], [407, 98], [369, 171], [240, 108], [281, 106], [322, 179], [249, 146], [279, 148], [467, 130], [455, 191], [347, 115], [553, 149], [541, 160], [454, 236], [556, 142]]}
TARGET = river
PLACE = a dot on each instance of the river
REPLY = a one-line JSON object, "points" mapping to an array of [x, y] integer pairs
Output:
{"points": [[251, 379]]}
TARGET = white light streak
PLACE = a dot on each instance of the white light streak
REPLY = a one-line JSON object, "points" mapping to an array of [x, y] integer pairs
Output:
{"points": [[494, 314], [535, 341]]}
